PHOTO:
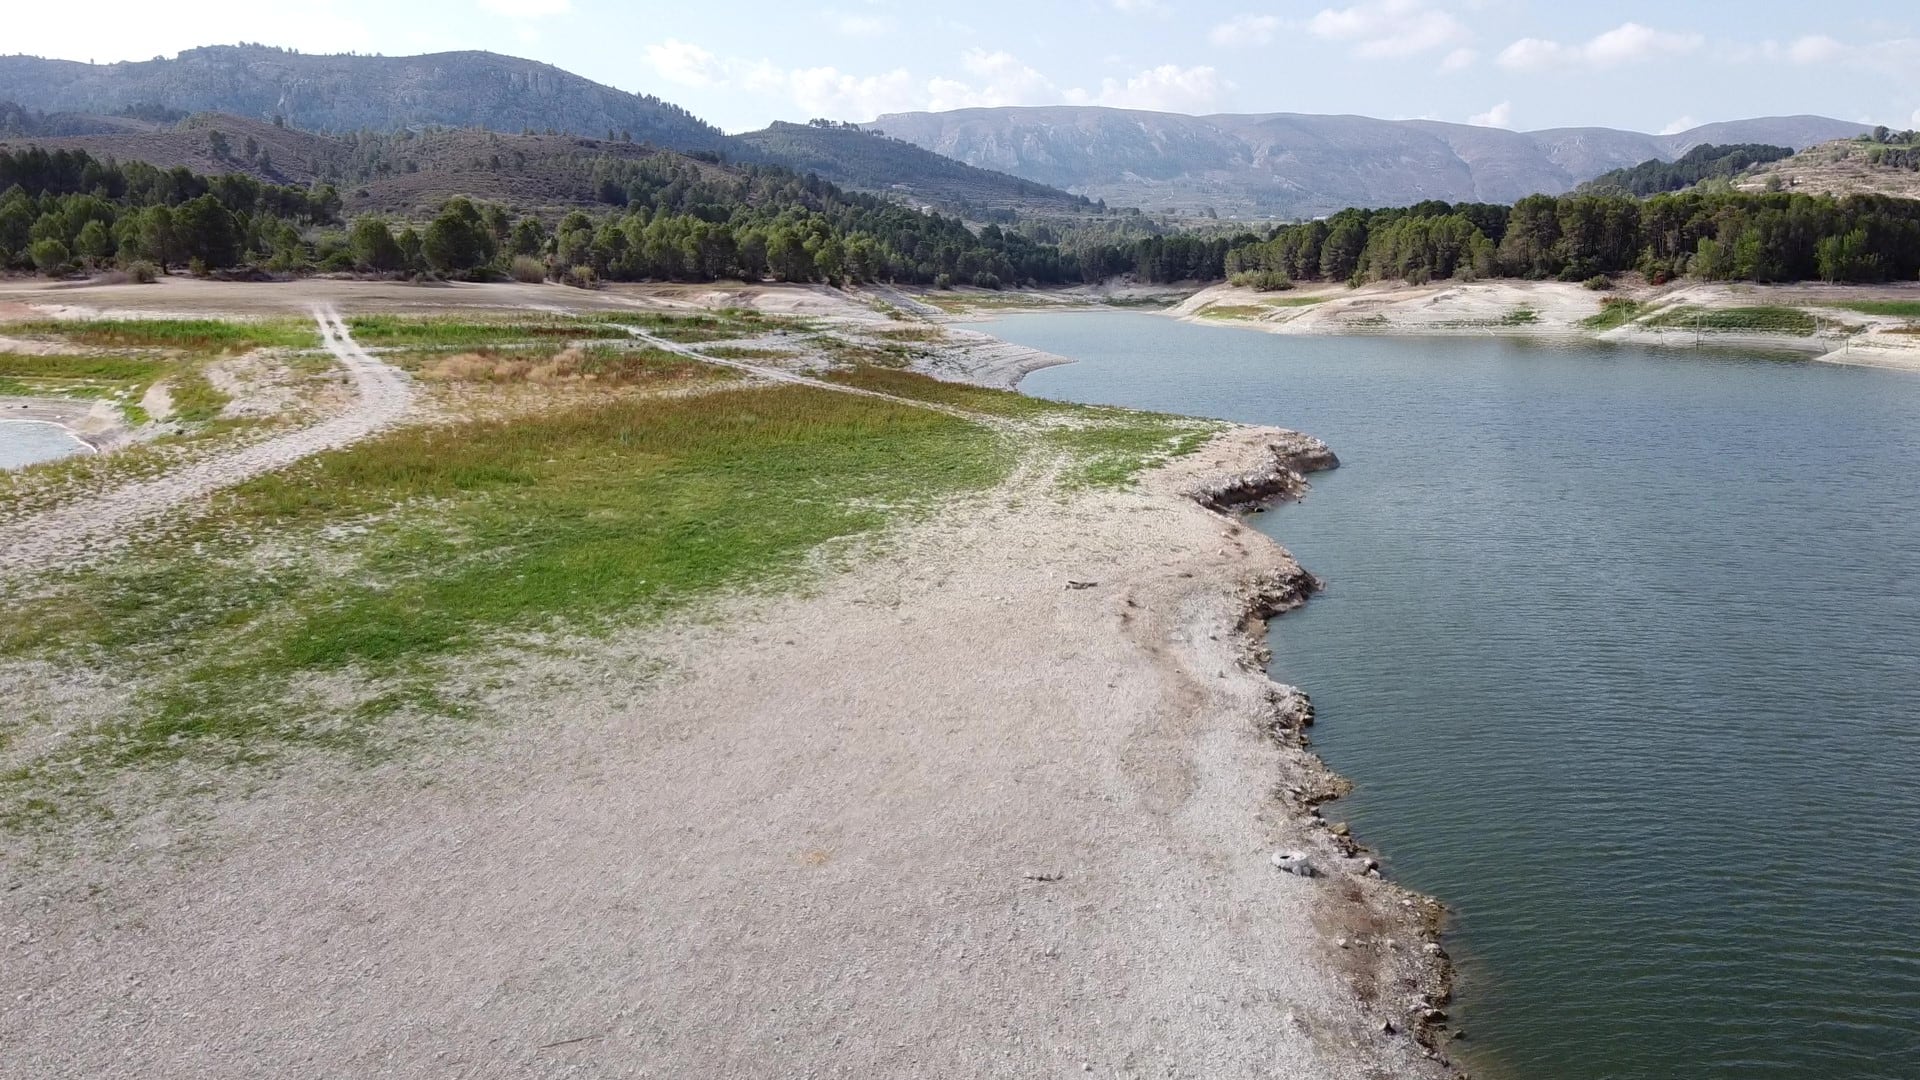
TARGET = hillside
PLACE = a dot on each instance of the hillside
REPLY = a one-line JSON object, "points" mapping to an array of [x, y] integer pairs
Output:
{"points": [[1704, 162], [349, 93], [1844, 167], [870, 161], [1297, 165], [408, 174]]}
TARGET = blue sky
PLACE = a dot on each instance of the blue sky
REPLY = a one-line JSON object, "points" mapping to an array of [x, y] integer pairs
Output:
{"points": [[1513, 63]]}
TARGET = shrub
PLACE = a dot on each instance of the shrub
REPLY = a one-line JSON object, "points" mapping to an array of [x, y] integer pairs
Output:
{"points": [[943, 281], [987, 280], [198, 267], [1599, 283], [580, 277], [528, 269], [1263, 280], [143, 272], [50, 256]]}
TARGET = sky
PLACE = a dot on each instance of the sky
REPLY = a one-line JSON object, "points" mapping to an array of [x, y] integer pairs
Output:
{"points": [[1522, 64]]}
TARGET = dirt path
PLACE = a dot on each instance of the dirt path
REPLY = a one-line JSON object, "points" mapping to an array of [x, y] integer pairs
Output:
{"points": [[85, 530]]}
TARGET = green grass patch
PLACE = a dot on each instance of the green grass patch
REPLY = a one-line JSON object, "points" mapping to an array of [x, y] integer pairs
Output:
{"points": [[1112, 447], [1520, 317], [98, 368], [1614, 311], [1899, 309], [193, 335], [1774, 320], [576, 521], [386, 330], [194, 398], [912, 384], [1235, 311]]}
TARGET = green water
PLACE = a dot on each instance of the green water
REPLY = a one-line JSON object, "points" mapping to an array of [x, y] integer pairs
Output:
{"points": [[1622, 649]]}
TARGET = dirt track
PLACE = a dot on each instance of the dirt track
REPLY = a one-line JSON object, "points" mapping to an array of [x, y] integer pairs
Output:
{"points": [[76, 533]]}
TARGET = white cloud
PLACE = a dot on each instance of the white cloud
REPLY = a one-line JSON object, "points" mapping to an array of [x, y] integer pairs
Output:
{"points": [[1817, 49], [527, 9], [1500, 116], [1458, 60], [1915, 119], [1136, 5], [1244, 30], [685, 63], [1628, 43], [1676, 127], [1166, 88], [999, 79], [828, 91], [1384, 29]]}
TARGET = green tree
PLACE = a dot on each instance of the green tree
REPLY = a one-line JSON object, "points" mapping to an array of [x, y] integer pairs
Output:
{"points": [[50, 256], [374, 247], [458, 241], [95, 243], [208, 231], [157, 238]]}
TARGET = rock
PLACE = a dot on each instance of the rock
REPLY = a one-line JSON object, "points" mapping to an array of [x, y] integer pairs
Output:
{"points": [[1432, 948], [1071, 584], [1387, 1028], [1434, 1016], [1294, 862], [1339, 828], [1342, 942]]}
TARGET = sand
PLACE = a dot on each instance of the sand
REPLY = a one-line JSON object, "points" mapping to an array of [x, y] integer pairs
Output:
{"points": [[939, 815]]}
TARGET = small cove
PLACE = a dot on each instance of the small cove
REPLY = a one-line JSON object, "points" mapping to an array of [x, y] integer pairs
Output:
{"points": [[30, 442], [1621, 648]]}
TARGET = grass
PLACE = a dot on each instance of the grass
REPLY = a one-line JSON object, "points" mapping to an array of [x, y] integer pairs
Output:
{"points": [[907, 384], [1614, 311], [1908, 309], [601, 364], [193, 335], [1775, 320], [387, 330], [1520, 317], [1235, 311], [576, 521]]}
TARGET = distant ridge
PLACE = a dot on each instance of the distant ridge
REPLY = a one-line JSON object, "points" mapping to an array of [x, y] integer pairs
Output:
{"points": [[1299, 164], [350, 93]]}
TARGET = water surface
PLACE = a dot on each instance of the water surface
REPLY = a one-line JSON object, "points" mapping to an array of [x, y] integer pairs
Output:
{"points": [[30, 442], [1622, 649]]}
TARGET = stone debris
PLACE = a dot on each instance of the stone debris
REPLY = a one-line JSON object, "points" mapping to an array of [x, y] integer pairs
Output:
{"points": [[1294, 862]]}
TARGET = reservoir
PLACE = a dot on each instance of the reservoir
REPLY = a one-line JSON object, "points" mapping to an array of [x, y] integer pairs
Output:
{"points": [[1621, 648], [29, 442]]}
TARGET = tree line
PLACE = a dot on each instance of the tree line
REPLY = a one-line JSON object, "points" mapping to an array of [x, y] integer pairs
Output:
{"points": [[1721, 236]]}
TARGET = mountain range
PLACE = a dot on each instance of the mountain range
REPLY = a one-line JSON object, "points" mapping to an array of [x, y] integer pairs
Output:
{"points": [[981, 162], [1301, 165]]}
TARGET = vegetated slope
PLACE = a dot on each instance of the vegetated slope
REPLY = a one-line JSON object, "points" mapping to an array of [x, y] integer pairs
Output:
{"points": [[347, 93], [406, 173], [1703, 162], [1297, 165], [871, 161], [1847, 167]]}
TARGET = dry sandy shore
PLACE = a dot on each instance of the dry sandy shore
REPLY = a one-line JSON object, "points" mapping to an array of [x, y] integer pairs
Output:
{"points": [[942, 815], [1558, 310]]}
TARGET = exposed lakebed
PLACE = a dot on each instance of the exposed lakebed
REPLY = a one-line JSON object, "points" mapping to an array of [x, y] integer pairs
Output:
{"points": [[1621, 647]]}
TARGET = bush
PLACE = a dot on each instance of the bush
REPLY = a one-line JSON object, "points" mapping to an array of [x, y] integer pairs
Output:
{"points": [[1599, 283], [1263, 280], [987, 280], [580, 277], [528, 269], [50, 256], [143, 272], [943, 281], [198, 267]]}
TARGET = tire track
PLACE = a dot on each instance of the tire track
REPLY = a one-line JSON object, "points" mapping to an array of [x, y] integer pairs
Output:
{"points": [[70, 535]]}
